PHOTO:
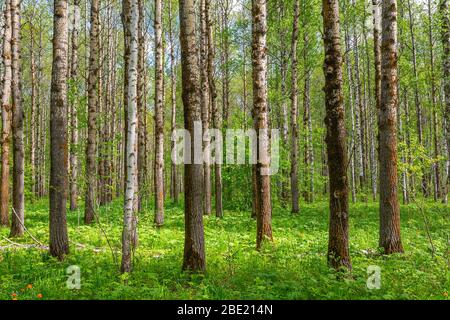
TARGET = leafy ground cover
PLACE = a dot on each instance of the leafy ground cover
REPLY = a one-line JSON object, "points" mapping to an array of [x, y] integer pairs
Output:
{"points": [[293, 267]]}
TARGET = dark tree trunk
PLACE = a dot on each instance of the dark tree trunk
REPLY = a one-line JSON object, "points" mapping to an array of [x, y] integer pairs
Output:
{"points": [[338, 250], [59, 240], [17, 225], [294, 112], [194, 243], [390, 239], [91, 147]]}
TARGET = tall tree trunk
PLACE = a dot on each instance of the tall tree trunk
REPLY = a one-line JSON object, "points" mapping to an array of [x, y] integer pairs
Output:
{"points": [[59, 240], [194, 243], [352, 116], [445, 34], [225, 63], [205, 104], [436, 165], [173, 103], [93, 104], [141, 105], [338, 251], [261, 122], [294, 112], [307, 119], [17, 226], [419, 111], [377, 62], [390, 239], [159, 118], [34, 119], [6, 115], [214, 109], [130, 14], [359, 112], [74, 108]]}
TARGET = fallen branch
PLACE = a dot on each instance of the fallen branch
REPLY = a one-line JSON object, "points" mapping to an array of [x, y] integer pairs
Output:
{"points": [[26, 230], [19, 245]]}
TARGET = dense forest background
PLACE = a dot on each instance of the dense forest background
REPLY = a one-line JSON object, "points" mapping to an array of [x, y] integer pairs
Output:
{"points": [[70, 100]]}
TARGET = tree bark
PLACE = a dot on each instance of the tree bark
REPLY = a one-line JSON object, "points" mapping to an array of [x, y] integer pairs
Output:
{"points": [[338, 250], [6, 115], [159, 119], [205, 104], [377, 63], [436, 165], [74, 108], [34, 119], [215, 114], [173, 104], [261, 122], [18, 219], [225, 63], [194, 244], [141, 105], [445, 35], [59, 241], [294, 111], [130, 14], [390, 239], [93, 104]]}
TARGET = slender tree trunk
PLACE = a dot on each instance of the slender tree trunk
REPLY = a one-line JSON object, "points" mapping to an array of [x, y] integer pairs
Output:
{"points": [[6, 115], [352, 116], [359, 112], [445, 35], [159, 118], [59, 241], [17, 226], [307, 120], [377, 62], [141, 105], [205, 104], [390, 239], [74, 108], [130, 14], [417, 103], [34, 119], [173, 103], [338, 250], [261, 122], [436, 165], [294, 112], [225, 63], [214, 109], [93, 104]]}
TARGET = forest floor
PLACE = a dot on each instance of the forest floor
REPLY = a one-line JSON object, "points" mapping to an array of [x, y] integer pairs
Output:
{"points": [[294, 267]]}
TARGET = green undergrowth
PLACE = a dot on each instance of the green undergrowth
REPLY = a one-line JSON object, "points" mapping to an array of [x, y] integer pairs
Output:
{"points": [[293, 267]]}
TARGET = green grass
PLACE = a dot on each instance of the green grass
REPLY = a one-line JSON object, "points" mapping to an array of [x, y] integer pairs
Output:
{"points": [[294, 267]]}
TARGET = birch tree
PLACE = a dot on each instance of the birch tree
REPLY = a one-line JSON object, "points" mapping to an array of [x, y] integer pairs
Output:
{"points": [[130, 14]]}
